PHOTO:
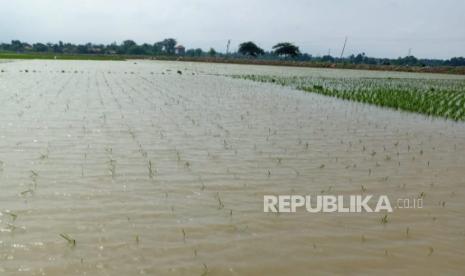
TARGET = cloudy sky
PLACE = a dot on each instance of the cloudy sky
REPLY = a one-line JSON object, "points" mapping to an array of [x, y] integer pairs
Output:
{"points": [[382, 28]]}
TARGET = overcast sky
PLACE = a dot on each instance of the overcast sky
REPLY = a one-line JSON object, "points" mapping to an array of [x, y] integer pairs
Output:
{"points": [[382, 28]]}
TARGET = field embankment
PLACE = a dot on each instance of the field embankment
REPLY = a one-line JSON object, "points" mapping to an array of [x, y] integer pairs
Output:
{"points": [[8, 55], [458, 70]]}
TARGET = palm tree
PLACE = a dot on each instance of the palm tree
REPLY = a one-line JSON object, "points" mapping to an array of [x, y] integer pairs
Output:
{"points": [[286, 49]]}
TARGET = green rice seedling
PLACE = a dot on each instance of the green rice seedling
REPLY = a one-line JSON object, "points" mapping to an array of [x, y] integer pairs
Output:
{"points": [[26, 192], [205, 270], [184, 235], [384, 219], [220, 202], [43, 156], [71, 241], [34, 174], [432, 97], [430, 251], [151, 170], [12, 215], [112, 168], [137, 239]]}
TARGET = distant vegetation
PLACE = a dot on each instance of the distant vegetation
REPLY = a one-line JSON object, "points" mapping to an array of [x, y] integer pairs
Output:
{"points": [[33, 55], [250, 49], [283, 51]]}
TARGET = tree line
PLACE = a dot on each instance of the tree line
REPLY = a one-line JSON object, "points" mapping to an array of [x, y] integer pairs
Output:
{"points": [[249, 49]]}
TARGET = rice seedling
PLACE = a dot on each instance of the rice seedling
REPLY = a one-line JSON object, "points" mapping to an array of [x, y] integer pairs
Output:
{"points": [[430, 251], [220, 202], [205, 270], [151, 169], [26, 192], [384, 219], [12, 215], [71, 241], [433, 97], [43, 156], [112, 168], [184, 235]]}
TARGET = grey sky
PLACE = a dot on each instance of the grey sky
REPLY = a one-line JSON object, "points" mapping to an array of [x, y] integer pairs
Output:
{"points": [[432, 28]]}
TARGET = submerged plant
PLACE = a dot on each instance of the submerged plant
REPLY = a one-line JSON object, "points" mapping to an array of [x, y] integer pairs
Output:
{"points": [[70, 240], [384, 219], [151, 170]]}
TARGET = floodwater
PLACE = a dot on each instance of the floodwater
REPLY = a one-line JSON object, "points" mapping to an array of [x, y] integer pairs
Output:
{"points": [[154, 172]]}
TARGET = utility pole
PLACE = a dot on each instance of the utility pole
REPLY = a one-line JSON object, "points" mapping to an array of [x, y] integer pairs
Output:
{"points": [[344, 47], [227, 46]]}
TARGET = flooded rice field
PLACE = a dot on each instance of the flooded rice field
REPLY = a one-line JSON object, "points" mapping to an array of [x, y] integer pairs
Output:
{"points": [[149, 168]]}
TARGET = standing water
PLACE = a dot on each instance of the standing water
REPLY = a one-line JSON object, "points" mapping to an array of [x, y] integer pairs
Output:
{"points": [[127, 168]]}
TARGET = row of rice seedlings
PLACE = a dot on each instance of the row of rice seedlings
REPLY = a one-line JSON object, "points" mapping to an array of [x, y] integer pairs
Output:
{"points": [[152, 170], [442, 98]]}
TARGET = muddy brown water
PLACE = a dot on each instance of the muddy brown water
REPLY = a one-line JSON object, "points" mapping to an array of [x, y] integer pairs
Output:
{"points": [[154, 172]]}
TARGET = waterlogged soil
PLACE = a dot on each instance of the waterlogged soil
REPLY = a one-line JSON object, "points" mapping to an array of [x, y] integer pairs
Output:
{"points": [[127, 168]]}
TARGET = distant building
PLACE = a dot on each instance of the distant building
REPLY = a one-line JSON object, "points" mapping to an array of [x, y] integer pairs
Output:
{"points": [[179, 50]]}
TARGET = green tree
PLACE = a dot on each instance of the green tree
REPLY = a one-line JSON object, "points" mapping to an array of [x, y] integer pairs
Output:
{"points": [[39, 47], [126, 46], [16, 46], [168, 45], [250, 49], [286, 49], [212, 52], [157, 48]]}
